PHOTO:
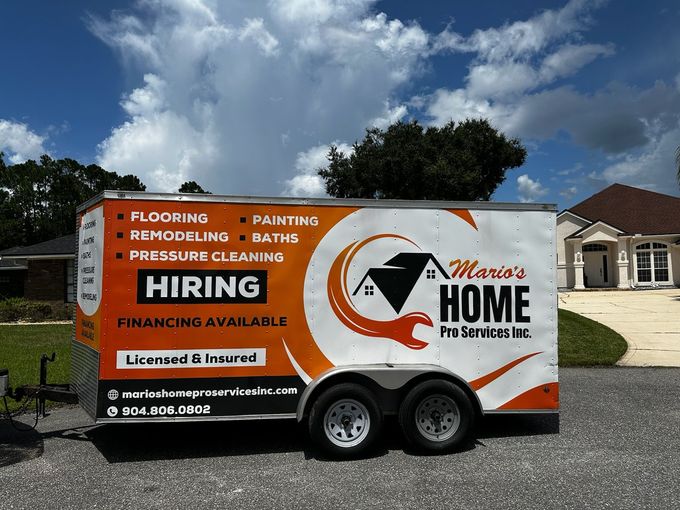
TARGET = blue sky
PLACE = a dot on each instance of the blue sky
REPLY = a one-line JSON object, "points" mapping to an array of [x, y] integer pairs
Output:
{"points": [[245, 97]]}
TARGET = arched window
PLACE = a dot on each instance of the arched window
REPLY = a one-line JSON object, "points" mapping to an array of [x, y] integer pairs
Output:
{"points": [[652, 262]]}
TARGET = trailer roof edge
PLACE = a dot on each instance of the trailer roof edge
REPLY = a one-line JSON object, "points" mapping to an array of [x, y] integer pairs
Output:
{"points": [[354, 202]]}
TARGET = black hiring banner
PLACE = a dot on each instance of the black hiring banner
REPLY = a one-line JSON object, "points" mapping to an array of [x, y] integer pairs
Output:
{"points": [[200, 286], [157, 399]]}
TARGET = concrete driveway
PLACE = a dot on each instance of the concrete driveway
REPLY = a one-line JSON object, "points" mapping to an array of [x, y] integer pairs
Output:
{"points": [[649, 320]]}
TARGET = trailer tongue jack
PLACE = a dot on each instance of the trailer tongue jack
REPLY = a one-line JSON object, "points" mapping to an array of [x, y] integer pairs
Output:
{"points": [[41, 392]]}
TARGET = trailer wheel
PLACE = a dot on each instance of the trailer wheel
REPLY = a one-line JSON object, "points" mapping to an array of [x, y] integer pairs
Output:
{"points": [[436, 416], [345, 420]]}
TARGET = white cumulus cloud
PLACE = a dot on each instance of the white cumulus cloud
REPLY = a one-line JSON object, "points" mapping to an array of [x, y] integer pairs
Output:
{"points": [[529, 190], [19, 143], [569, 193], [157, 144], [513, 81], [653, 167], [307, 182], [241, 95], [254, 30], [230, 93], [515, 59]]}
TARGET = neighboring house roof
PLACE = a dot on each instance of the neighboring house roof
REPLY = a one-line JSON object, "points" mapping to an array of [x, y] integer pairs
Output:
{"points": [[61, 247], [633, 210]]}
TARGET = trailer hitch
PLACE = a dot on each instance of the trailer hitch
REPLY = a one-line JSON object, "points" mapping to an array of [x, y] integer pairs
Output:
{"points": [[42, 391]]}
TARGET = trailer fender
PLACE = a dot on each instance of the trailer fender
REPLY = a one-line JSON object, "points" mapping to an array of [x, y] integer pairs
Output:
{"points": [[387, 376]]}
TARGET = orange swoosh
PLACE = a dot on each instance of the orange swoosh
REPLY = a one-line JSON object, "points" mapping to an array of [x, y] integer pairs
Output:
{"points": [[399, 329], [465, 215], [543, 396], [478, 384]]}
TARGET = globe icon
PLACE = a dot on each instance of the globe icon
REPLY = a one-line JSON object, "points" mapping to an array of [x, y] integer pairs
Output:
{"points": [[113, 394]]}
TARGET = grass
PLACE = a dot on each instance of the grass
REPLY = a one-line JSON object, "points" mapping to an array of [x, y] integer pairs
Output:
{"points": [[584, 342], [20, 350]]}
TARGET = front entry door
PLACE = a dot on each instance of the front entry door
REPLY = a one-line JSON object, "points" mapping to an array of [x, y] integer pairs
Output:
{"points": [[596, 265]]}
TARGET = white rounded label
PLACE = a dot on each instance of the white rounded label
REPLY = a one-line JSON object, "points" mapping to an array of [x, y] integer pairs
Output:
{"points": [[90, 260]]}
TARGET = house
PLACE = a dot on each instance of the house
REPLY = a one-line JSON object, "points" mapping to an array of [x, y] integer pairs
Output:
{"points": [[42, 271], [399, 276], [622, 237]]}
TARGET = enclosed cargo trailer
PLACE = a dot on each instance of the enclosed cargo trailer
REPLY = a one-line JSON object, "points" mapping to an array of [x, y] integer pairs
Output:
{"points": [[205, 307]]}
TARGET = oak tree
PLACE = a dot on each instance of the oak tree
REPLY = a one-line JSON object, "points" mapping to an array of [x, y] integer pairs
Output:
{"points": [[464, 161]]}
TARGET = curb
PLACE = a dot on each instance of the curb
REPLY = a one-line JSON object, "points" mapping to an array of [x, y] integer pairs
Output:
{"points": [[45, 323]]}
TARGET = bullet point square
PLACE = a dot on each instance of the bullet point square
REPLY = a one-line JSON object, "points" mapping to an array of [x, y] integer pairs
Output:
{"points": [[121, 216], [119, 255], [119, 235], [242, 238], [243, 219]]}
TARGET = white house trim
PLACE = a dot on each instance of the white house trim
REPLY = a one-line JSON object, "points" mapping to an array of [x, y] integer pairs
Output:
{"points": [[581, 233], [567, 211]]}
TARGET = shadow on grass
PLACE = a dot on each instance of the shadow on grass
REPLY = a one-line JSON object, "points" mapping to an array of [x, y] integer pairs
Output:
{"points": [[141, 442]]}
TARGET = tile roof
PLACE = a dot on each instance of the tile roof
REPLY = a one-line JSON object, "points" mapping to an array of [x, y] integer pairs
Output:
{"points": [[65, 245], [633, 210]]}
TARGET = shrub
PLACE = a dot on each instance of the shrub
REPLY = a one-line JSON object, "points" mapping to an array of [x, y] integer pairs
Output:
{"points": [[61, 312], [10, 309], [38, 311], [21, 309]]}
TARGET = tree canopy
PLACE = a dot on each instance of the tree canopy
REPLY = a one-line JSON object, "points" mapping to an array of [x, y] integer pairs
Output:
{"points": [[192, 187], [38, 200], [465, 161]]}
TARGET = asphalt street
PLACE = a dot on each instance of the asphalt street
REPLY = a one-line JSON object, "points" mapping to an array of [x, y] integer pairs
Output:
{"points": [[616, 444]]}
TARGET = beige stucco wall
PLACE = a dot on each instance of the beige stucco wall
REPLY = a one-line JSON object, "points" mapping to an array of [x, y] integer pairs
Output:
{"points": [[600, 234], [567, 225], [675, 261], [565, 276]]}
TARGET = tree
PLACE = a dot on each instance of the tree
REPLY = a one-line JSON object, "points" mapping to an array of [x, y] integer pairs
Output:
{"points": [[467, 161], [192, 187], [38, 200]]}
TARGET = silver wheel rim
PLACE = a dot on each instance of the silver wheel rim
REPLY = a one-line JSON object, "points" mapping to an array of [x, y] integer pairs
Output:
{"points": [[437, 417], [346, 423]]}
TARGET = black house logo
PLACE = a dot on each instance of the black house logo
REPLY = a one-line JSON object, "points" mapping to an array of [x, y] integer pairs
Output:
{"points": [[398, 276]]}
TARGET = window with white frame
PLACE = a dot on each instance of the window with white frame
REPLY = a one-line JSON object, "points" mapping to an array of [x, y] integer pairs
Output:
{"points": [[652, 262]]}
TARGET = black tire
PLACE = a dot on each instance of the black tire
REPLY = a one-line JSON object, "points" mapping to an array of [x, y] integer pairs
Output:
{"points": [[436, 416], [356, 407]]}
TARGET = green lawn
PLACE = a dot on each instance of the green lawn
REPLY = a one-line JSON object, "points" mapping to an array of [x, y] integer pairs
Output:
{"points": [[20, 350], [584, 342]]}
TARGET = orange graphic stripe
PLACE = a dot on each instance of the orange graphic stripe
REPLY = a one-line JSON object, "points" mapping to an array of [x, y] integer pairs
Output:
{"points": [[399, 329], [465, 215], [478, 384], [545, 396]]}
